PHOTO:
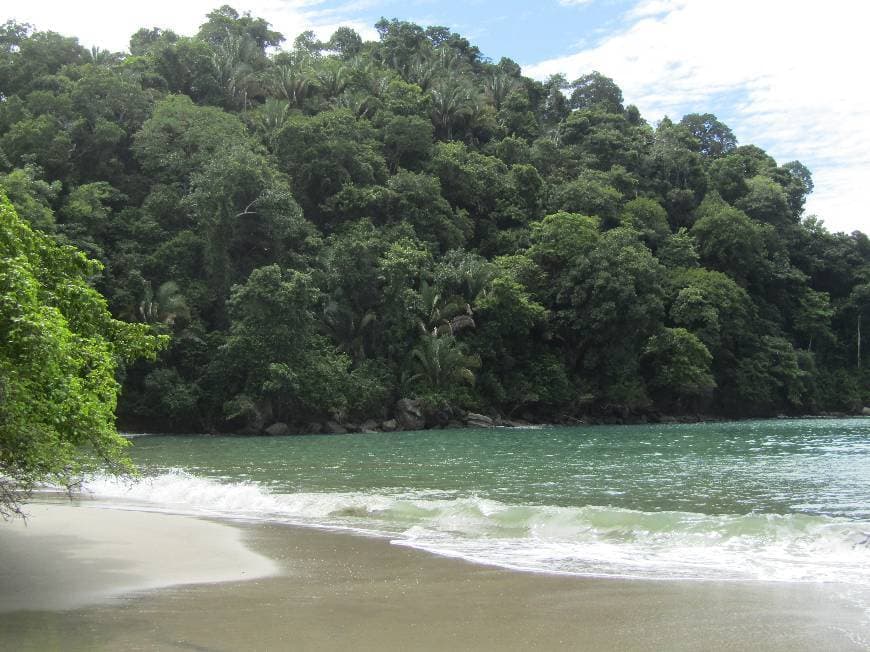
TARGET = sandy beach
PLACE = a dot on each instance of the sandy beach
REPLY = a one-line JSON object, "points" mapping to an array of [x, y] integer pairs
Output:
{"points": [[81, 578], [64, 557]]}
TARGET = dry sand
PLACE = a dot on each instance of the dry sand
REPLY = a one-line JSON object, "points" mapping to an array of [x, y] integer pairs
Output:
{"points": [[335, 591], [63, 557]]}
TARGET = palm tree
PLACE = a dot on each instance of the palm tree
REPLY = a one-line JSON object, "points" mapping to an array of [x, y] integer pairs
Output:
{"points": [[451, 100], [440, 315], [333, 80], [291, 81], [270, 118], [232, 70], [475, 274], [497, 86], [439, 362], [420, 71], [367, 83], [103, 57], [348, 330]]}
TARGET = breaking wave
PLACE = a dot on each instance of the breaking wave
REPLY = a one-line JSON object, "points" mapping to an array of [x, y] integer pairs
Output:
{"points": [[590, 540]]}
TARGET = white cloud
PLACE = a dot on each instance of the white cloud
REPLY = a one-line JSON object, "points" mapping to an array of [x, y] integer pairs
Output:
{"points": [[109, 24], [574, 3], [796, 69], [654, 8]]}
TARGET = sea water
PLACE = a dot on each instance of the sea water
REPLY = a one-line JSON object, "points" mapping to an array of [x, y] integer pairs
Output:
{"points": [[780, 500]]}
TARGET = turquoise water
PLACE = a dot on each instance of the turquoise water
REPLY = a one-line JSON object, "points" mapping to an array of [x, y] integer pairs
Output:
{"points": [[785, 500]]}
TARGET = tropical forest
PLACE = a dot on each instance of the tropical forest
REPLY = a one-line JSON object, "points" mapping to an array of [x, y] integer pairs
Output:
{"points": [[333, 234]]}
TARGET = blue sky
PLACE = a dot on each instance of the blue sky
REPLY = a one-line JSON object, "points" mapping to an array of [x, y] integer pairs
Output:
{"points": [[787, 75]]}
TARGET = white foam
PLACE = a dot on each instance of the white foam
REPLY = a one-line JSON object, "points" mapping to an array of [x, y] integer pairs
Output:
{"points": [[596, 541]]}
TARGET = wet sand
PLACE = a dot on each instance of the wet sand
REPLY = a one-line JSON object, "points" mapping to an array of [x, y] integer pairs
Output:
{"points": [[335, 591]]}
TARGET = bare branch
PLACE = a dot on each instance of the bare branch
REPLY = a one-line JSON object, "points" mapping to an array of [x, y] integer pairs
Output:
{"points": [[248, 210]]}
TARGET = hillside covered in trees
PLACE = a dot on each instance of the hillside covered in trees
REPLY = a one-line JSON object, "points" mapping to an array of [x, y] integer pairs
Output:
{"points": [[326, 228]]}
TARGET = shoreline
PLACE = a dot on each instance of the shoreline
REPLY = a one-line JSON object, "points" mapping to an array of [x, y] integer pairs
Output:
{"points": [[353, 429], [337, 590]]}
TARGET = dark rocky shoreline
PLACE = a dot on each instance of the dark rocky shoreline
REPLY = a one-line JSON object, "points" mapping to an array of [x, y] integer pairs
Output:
{"points": [[410, 415]]}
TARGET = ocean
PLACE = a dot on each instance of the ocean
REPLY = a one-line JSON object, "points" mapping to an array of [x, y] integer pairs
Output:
{"points": [[773, 501]]}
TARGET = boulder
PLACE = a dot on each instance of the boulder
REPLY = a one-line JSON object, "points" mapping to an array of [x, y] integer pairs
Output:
{"points": [[409, 415], [478, 420], [313, 428], [278, 429], [437, 418], [369, 426], [334, 428], [389, 425], [253, 424], [866, 411], [251, 418]]}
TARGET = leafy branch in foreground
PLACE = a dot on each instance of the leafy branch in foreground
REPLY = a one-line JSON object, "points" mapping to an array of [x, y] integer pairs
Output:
{"points": [[59, 350]]}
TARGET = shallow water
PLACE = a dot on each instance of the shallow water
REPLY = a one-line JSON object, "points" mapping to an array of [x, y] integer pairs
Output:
{"points": [[785, 500]]}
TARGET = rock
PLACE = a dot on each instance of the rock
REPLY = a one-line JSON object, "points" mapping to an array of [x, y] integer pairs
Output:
{"points": [[334, 428], [251, 418], [453, 423], [389, 425], [369, 426], [278, 429], [437, 418], [866, 411], [313, 428], [478, 420], [409, 416]]}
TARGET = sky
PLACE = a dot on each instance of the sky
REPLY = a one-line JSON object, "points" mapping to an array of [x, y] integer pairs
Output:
{"points": [[786, 75]]}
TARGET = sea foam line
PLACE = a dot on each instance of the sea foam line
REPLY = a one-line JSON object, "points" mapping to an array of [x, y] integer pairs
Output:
{"points": [[590, 540]]}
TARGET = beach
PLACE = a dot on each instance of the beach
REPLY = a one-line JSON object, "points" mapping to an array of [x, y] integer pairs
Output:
{"points": [[77, 577]]}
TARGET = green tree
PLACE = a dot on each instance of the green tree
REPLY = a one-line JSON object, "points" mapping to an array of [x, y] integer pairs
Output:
{"points": [[346, 42], [679, 250], [589, 196], [275, 354], [678, 367], [595, 91], [730, 242], [417, 200], [407, 142], [648, 218], [441, 367], [32, 196], [677, 172], [326, 152], [59, 354], [714, 138]]}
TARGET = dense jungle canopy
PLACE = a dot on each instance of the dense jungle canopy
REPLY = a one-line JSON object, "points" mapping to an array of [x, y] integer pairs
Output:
{"points": [[325, 227]]}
